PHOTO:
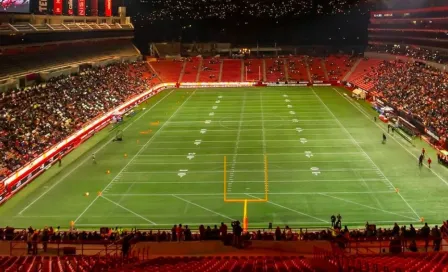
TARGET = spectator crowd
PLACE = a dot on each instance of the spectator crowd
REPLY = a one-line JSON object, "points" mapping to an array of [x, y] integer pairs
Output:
{"points": [[419, 90], [35, 118]]}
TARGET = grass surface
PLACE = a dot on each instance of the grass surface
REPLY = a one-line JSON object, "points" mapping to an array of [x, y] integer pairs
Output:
{"points": [[173, 171]]}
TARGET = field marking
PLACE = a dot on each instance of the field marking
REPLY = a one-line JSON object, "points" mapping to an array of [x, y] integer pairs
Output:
{"points": [[221, 194], [252, 171], [88, 157], [151, 139], [256, 141], [133, 158], [289, 209], [126, 209], [213, 148], [249, 129], [236, 143], [245, 162], [247, 181], [202, 207], [366, 155], [368, 188], [384, 130], [280, 223], [366, 206], [254, 154]]}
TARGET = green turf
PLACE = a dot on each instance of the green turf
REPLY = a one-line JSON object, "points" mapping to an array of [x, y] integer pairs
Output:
{"points": [[356, 176]]}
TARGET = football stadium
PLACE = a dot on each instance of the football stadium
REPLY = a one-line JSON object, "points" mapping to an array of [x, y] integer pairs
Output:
{"points": [[238, 136]]}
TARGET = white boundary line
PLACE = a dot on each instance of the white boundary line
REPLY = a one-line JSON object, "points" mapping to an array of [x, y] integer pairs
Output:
{"points": [[202, 207], [135, 156], [126, 209], [88, 158], [370, 119], [289, 209], [366, 155], [366, 206]]}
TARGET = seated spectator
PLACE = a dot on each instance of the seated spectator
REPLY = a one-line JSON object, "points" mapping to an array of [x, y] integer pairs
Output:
{"points": [[35, 118]]}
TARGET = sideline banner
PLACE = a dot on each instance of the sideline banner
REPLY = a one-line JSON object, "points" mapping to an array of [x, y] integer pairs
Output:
{"points": [[57, 7], [81, 7], [108, 8]]}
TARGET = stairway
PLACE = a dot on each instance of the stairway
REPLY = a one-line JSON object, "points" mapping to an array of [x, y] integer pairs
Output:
{"points": [[242, 72], [285, 66], [347, 76], [264, 70], [308, 71], [199, 70], [182, 72], [324, 68], [154, 71], [221, 66]]}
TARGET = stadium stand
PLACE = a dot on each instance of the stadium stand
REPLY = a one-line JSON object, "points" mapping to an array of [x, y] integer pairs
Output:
{"points": [[221, 264], [62, 264], [338, 66], [298, 69], [168, 70], [22, 59], [275, 70], [316, 69], [231, 71], [191, 70], [359, 77], [25, 136], [209, 71], [423, 97], [255, 70]]}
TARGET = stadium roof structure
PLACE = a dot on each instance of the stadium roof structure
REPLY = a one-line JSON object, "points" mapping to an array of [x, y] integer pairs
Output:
{"points": [[26, 23]]}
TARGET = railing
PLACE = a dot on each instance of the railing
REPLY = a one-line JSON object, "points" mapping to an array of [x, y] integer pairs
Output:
{"points": [[59, 248]]}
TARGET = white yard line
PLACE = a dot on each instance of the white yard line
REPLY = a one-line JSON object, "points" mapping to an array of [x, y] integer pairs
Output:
{"points": [[245, 162], [153, 137], [289, 209], [134, 157], [262, 194], [235, 150], [366, 206], [248, 181], [263, 141], [250, 129], [88, 157], [126, 209], [251, 171], [202, 207], [255, 154], [384, 130], [361, 149]]}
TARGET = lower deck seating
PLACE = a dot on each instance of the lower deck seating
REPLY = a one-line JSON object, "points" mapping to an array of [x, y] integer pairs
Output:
{"points": [[223, 264], [62, 264], [363, 69]]}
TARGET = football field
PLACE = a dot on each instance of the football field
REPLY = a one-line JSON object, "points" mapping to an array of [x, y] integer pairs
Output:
{"points": [[302, 153]]}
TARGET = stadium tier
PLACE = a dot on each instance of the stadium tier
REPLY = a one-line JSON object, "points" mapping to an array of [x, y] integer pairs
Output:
{"points": [[232, 71], [317, 70], [34, 58], [360, 76], [298, 69], [168, 70], [254, 68], [191, 70], [275, 70]]}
